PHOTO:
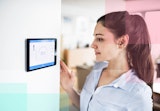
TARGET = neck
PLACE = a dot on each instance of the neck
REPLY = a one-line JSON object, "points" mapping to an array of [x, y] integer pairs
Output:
{"points": [[117, 66]]}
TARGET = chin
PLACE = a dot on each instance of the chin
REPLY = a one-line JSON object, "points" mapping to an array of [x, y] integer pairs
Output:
{"points": [[101, 60]]}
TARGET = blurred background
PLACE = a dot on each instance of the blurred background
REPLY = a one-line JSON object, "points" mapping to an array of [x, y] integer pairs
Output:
{"points": [[78, 21], [72, 23]]}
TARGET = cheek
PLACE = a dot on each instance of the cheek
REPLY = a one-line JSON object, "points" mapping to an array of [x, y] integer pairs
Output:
{"points": [[110, 51], [110, 48]]}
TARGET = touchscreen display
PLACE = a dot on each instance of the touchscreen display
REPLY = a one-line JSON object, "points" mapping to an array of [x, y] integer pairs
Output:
{"points": [[41, 53]]}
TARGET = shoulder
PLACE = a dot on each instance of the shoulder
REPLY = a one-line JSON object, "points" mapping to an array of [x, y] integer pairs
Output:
{"points": [[140, 94], [141, 99], [137, 86]]}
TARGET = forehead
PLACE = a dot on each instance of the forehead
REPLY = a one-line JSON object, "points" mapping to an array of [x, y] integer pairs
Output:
{"points": [[100, 29]]}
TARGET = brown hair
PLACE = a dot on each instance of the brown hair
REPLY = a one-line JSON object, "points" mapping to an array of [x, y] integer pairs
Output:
{"points": [[138, 48]]}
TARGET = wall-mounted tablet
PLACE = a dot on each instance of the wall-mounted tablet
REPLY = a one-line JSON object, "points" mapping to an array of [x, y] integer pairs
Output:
{"points": [[41, 53]]}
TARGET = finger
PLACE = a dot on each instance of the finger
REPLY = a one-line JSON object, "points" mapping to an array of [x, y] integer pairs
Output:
{"points": [[72, 75], [63, 66]]}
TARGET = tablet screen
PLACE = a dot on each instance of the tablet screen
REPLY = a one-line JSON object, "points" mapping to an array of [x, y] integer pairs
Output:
{"points": [[41, 53]]}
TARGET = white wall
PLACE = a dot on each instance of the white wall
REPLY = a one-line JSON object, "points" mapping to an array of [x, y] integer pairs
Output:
{"points": [[20, 90]]}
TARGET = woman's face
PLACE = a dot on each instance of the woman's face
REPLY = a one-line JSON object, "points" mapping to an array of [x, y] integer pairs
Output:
{"points": [[104, 44]]}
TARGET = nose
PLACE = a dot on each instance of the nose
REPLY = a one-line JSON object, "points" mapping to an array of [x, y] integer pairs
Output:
{"points": [[93, 45]]}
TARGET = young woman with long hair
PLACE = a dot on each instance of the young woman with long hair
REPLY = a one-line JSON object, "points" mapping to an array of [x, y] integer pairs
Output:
{"points": [[120, 79]]}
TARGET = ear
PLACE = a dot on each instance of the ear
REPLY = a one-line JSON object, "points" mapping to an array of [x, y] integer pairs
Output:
{"points": [[122, 42]]}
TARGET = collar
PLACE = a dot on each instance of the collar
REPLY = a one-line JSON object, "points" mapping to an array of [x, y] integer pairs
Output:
{"points": [[122, 79], [100, 65], [126, 81]]}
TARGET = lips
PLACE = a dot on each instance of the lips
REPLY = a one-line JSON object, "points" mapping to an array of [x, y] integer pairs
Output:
{"points": [[97, 53]]}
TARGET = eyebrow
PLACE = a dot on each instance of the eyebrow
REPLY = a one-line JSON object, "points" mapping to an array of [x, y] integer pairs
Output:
{"points": [[98, 34]]}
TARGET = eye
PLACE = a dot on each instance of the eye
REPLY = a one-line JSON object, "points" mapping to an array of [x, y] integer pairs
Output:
{"points": [[100, 39]]}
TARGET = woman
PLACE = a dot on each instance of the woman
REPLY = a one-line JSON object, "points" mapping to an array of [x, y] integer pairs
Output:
{"points": [[118, 81]]}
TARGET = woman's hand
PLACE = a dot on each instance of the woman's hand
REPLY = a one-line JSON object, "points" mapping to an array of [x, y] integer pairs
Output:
{"points": [[67, 77]]}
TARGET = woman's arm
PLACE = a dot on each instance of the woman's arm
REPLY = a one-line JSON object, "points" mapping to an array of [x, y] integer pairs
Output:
{"points": [[67, 79], [75, 97]]}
